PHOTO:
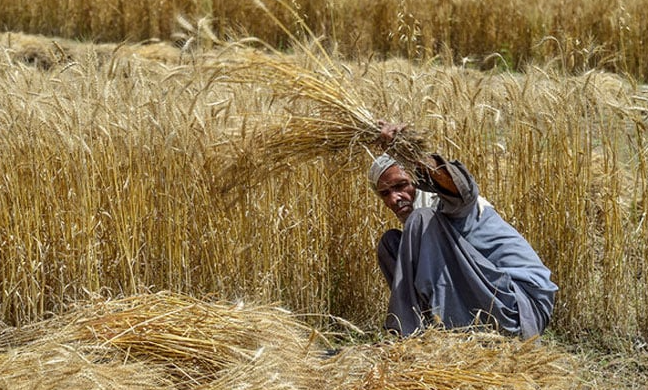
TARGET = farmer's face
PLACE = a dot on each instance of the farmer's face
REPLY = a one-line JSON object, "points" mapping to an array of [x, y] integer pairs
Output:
{"points": [[396, 189]]}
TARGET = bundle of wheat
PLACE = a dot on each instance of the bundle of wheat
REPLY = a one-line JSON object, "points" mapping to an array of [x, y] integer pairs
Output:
{"points": [[34, 50], [322, 113], [186, 343], [322, 116], [204, 339], [445, 360], [53, 366], [47, 52], [193, 342]]}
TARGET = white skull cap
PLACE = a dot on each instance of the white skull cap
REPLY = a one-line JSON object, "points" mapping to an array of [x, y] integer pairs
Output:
{"points": [[379, 166]]}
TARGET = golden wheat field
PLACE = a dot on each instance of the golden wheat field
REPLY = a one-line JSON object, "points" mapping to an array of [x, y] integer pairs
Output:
{"points": [[191, 210]]}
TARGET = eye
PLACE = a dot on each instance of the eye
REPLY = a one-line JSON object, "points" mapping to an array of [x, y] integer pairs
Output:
{"points": [[402, 185], [383, 193]]}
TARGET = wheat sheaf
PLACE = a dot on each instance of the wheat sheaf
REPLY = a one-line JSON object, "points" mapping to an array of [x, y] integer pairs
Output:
{"points": [[322, 115]]}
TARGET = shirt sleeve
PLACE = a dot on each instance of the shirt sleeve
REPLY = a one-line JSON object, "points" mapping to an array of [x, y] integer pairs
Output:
{"points": [[452, 205]]}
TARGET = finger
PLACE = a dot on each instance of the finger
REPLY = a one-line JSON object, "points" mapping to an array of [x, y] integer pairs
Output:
{"points": [[387, 134]]}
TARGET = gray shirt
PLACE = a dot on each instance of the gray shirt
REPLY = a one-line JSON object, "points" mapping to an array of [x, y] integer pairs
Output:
{"points": [[461, 263]]}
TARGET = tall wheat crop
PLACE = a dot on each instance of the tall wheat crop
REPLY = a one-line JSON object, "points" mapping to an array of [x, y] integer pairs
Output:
{"points": [[584, 34], [121, 175]]}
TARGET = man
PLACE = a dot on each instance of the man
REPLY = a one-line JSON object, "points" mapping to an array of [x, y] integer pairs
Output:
{"points": [[456, 262]]}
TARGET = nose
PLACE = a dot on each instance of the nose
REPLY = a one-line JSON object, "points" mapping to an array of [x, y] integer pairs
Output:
{"points": [[394, 197]]}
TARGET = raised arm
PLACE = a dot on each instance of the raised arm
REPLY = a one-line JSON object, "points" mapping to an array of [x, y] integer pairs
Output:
{"points": [[428, 167]]}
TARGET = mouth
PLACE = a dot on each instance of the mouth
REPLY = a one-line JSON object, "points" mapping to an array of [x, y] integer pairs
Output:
{"points": [[403, 210], [403, 204]]}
